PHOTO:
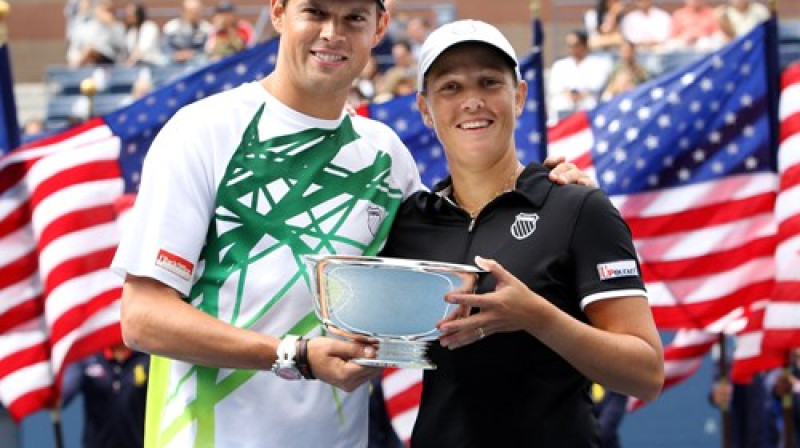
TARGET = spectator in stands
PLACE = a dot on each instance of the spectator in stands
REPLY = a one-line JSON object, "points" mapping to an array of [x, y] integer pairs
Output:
{"points": [[646, 26], [609, 410], [114, 388], [230, 34], [142, 37], [78, 13], [364, 87], [395, 32], [404, 70], [397, 26], [417, 30], [185, 36], [577, 80], [784, 384], [394, 84], [694, 26], [626, 74], [747, 406], [739, 17], [603, 24], [33, 126], [101, 41]]}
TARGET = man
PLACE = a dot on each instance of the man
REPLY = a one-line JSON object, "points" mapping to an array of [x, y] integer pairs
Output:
{"points": [[114, 387], [231, 34], [235, 189], [577, 80], [185, 36]]}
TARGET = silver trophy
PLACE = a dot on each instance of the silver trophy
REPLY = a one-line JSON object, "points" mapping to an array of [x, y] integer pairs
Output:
{"points": [[393, 302]]}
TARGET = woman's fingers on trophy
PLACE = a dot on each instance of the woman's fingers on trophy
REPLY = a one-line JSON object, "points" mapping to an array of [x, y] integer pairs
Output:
{"points": [[465, 334]]}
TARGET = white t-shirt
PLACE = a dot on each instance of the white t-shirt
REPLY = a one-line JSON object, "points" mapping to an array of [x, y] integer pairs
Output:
{"points": [[652, 27], [235, 189]]}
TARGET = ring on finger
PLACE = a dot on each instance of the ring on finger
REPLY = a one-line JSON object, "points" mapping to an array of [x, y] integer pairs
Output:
{"points": [[481, 333]]}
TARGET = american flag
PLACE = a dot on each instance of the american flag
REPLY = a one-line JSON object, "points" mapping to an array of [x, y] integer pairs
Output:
{"points": [[58, 300], [782, 317], [682, 357], [688, 159], [402, 388]]}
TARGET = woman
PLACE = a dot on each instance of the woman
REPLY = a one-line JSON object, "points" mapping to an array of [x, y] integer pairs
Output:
{"points": [[564, 302], [142, 37], [603, 24]]}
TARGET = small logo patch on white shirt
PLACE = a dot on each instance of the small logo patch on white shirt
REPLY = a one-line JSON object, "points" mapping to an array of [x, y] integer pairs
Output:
{"points": [[179, 266], [617, 269]]}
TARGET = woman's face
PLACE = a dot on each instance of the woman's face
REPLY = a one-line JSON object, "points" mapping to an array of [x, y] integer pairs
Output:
{"points": [[473, 102]]}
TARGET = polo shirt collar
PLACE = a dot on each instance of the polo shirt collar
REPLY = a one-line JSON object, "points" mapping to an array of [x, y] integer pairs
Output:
{"points": [[529, 185]]}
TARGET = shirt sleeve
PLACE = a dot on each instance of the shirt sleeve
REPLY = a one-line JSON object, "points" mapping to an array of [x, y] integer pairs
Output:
{"points": [[606, 261], [173, 209]]}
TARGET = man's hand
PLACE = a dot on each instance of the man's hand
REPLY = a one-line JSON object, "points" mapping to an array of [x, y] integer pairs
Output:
{"points": [[330, 361], [563, 172]]}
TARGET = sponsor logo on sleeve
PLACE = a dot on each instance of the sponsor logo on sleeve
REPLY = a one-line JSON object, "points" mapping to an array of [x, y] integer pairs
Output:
{"points": [[179, 266], [617, 269]]}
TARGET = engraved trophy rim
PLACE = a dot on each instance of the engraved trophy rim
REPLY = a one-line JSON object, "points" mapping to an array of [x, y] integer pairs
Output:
{"points": [[394, 350]]}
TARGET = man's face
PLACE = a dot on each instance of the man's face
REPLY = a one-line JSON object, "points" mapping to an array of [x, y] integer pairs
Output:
{"points": [[325, 44], [472, 100], [575, 47], [192, 11]]}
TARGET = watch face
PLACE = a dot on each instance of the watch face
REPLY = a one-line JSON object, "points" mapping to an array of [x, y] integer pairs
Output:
{"points": [[288, 373]]}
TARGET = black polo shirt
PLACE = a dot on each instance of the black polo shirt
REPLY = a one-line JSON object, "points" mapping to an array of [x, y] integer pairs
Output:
{"points": [[568, 244], [114, 395]]}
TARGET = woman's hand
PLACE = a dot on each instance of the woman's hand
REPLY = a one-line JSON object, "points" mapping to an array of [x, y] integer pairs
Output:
{"points": [[508, 308]]}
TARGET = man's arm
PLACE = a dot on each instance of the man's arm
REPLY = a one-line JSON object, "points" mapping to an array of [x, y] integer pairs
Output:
{"points": [[156, 320]]}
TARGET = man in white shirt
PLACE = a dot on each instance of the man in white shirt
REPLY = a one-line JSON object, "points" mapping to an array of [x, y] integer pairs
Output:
{"points": [[577, 80]]}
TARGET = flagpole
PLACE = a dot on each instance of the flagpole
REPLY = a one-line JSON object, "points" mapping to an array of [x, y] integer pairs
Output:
{"points": [[723, 380], [55, 417], [787, 405], [538, 47]]}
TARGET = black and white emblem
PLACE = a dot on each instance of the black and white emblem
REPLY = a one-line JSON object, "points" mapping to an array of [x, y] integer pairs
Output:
{"points": [[375, 216], [524, 225]]}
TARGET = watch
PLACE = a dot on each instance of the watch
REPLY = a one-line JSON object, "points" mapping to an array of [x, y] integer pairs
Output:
{"points": [[285, 366]]}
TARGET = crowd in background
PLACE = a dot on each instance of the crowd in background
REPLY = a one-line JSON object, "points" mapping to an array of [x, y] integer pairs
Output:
{"points": [[602, 57], [598, 61]]}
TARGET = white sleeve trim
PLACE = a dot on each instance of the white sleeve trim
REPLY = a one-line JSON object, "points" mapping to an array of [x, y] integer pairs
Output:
{"points": [[612, 295]]}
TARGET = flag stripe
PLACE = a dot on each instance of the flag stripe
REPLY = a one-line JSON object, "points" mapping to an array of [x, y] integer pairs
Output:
{"points": [[643, 227], [30, 309], [24, 357]]}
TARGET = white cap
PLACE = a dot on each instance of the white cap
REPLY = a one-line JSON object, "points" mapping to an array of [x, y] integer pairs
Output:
{"points": [[458, 32]]}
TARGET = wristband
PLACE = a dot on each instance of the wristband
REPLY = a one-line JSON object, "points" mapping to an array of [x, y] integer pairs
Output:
{"points": [[302, 359]]}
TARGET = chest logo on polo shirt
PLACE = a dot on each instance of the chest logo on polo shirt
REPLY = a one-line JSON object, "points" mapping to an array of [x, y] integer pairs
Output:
{"points": [[524, 225]]}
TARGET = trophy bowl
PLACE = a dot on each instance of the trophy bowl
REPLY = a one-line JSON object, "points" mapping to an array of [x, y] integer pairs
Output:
{"points": [[393, 302]]}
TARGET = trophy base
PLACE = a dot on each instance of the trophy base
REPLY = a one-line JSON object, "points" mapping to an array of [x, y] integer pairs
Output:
{"points": [[402, 354], [368, 362]]}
